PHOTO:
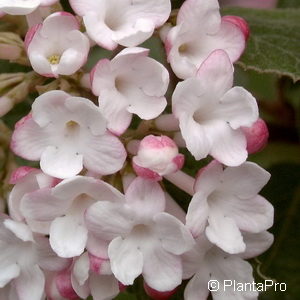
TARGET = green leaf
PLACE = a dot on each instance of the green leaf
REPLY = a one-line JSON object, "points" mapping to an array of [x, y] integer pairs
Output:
{"points": [[274, 41]]}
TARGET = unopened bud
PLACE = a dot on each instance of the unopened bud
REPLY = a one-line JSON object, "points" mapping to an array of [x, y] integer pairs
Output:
{"points": [[257, 136], [157, 156]]}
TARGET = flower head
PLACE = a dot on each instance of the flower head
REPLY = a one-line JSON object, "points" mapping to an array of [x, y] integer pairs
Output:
{"points": [[226, 202], [131, 83], [57, 47], [211, 113], [66, 133], [145, 240], [128, 23], [199, 31]]}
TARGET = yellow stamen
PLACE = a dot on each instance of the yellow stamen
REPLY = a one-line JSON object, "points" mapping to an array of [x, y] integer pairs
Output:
{"points": [[54, 59]]}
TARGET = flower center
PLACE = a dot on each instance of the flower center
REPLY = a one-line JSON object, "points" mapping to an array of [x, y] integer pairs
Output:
{"points": [[72, 129], [54, 59], [183, 48], [120, 84]]}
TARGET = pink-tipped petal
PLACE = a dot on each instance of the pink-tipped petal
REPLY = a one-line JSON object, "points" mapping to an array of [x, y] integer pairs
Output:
{"points": [[19, 173], [30, 34], [239, 22], [146, 173]]}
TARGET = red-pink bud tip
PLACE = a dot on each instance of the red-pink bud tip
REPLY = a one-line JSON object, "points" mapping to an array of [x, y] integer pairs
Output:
{"points": [[257, 136], [157, 295]]}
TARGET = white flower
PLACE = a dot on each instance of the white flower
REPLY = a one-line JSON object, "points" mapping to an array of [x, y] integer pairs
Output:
{"points": [[86, 281], [126, 22], [64, 206], [57, 47], [199, 31], [157, 156], [67, 133], [226, 202], [211, 113], [144, 239], [208, 262], [131, 83], [22, 256], [23, 7], [27, 180]]}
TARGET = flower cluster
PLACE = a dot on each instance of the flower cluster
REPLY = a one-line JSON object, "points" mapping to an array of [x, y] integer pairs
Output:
{"points": [[96, 215]]}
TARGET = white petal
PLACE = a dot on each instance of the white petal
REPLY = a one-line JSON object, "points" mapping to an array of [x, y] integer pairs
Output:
{"points": [[175, 237], [194, 260], [108, 220], [28, 139], [256, 243], [196, 139], [114, 107], [20, 230], [208, 178], [229, 146], [80, 275], [251, 215], [41, 205], [30, 283], [61, 162], [251, 179], [233, 268], [67, 237], [8, 272], [197, 214], [95, 188], [162, 271], [126, 23], [48, 260], [75, 56], [97, 247], [238, 107], [81, 268], [197, 287], [145, 197], [126, 260], [103, 287], [24, 185], [196, 10], [216, 73], [223, 232], [83, 6], [98, 31], [19, 7], [230, 38], [104, 154]]}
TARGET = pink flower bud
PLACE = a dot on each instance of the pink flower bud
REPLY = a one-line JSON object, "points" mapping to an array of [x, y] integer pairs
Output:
{"points": [[99, 265], [257, 136], [19, 173], [64, 285], [157, 295], [157, 156]]}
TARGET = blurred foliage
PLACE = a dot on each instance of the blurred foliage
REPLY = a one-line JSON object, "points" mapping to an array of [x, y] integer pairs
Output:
{"points": [[288, 3]]}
